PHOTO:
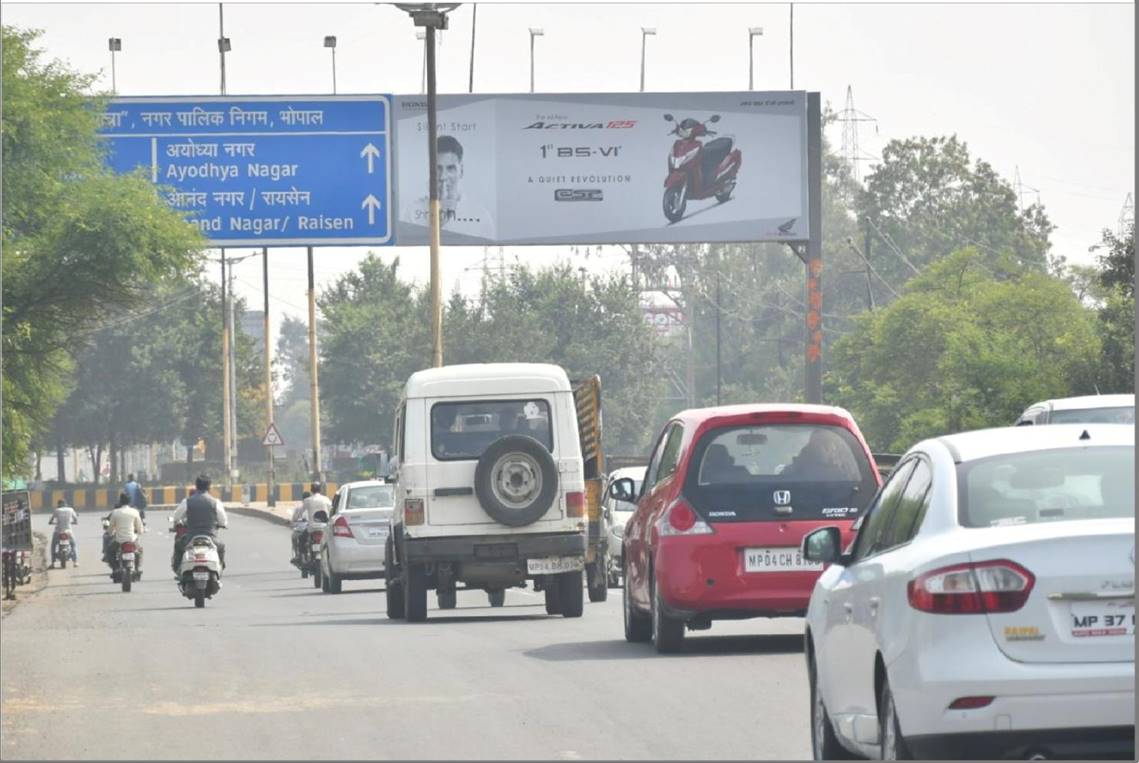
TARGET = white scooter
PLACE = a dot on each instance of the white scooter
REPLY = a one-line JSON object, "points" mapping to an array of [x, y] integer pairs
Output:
{"points": [[199, 570]]}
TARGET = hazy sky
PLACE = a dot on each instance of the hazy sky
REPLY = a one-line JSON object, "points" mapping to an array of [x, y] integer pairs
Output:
{"points": [[1048, 88]]}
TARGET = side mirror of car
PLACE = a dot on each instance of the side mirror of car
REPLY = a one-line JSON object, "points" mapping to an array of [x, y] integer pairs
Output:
{"points": [[622, 490], [823, 545]]}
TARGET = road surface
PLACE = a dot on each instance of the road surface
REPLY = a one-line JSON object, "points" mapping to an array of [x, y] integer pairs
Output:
{"points": [[274, 669]]}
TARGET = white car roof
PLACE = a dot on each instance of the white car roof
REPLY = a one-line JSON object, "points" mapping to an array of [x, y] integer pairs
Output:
{"points": [[476, 379], [982, 443], [1090, 401], [632, 472]]}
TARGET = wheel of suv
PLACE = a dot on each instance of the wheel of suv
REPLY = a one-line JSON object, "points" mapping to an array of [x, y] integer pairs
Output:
{"points": [[415, 592], [393, 585], [638, 627], [516, 480], [447, 599], [571, 594], [552, 589], [668, 632]]}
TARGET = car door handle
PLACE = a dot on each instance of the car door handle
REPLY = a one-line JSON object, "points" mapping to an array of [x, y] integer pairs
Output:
{"points": [[874, 606], [848, 611]]}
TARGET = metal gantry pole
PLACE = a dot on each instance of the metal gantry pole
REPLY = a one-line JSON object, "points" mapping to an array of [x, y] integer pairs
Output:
{"points": [[433, 184], [268, 376], [531, 61], [474, 18], [314, 385]]}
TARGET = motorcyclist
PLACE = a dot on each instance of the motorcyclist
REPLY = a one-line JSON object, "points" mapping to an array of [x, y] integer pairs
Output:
{"points": [[126, 527], [123, 500], [300, 526], [318, 501], [63, 517], [203, 515], [137, 497]]}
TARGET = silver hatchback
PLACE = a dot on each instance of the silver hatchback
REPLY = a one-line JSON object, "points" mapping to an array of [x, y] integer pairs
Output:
{"points": [[353, 545]]}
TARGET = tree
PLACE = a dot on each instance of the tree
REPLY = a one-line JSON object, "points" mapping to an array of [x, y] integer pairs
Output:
{"points": [[1116, 311], [966, 346], [79, 242]]}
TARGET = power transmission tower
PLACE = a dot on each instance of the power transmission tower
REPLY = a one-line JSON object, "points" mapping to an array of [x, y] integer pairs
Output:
{"points": [[850, 118], [1126, 215], [1021, 188]]}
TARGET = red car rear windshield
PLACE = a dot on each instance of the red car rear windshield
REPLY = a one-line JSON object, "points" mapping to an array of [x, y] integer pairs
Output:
{"points": [[779, 472]]}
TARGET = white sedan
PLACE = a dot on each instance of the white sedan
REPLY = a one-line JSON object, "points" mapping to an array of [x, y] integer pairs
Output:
{"points": [[617, 512], [986, 608], [353, 544]]}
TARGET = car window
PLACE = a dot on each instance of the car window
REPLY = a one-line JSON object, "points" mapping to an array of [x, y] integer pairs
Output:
{"points": [[881, 512], [1056, 485], [911, 507], [1117, 415], [399, 419], [670, 455], [371, 497], [654, 462], [463, 430]]}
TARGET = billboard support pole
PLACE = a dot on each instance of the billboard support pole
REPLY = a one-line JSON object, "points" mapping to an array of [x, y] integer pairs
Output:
{"points": [[814, 252], [433, 185]]}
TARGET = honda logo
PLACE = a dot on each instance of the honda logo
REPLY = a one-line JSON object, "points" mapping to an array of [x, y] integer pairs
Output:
{"points": [[782, 497]]}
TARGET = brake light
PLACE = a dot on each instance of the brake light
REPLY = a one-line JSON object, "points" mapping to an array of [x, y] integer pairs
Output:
{"points": [[128, 547], [413, 511], [65, 536], [575, 504], [682, 519], [317, 536], [972, 588], [970, 703], [341, 529]]}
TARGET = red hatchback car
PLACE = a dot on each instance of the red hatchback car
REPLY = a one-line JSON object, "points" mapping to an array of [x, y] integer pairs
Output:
{"points": [[727, 497]]}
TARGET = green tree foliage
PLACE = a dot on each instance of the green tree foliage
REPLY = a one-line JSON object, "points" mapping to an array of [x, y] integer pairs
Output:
{"points": [[1116, 312], [966, 346], [78, 241]]}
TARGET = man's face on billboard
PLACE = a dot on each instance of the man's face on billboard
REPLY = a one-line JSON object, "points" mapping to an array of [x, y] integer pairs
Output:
{"points": [[450, 173]]}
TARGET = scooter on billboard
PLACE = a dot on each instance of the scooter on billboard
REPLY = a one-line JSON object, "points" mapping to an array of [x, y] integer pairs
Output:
{"points": [[698, 170]]}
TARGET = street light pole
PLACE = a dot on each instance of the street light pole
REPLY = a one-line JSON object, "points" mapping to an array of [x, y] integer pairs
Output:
{"points": [[645, 32], [421, 35], [272, 501], [752, 33], [223, 44], [533, 33], [474, 18], [114, 45], [330, 43]]}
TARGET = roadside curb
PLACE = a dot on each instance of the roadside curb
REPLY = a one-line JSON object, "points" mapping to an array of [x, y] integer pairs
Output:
{"points": [[258, 513]]}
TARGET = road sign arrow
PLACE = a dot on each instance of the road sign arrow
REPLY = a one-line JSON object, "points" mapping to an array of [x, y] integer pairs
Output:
{"points": [[371, 153], [371, 203]]}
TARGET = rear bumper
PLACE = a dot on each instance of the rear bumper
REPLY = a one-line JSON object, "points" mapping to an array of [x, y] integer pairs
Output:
{"points": [[489, 549], [351, 558], [1101, 743]]}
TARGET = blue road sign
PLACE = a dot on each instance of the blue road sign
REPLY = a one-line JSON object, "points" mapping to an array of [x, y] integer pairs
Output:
{"points": [[264, 170]]}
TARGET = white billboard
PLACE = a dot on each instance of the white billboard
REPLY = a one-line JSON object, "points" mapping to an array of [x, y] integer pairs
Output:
{"points": [[606, 168]]}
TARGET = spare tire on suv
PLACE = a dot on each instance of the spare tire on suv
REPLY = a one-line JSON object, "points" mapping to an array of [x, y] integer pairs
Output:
{"points": [[516, 480]]}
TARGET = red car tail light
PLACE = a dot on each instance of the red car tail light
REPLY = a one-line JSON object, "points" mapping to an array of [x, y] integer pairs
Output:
{"points": [[970, 703], [682, 519], [575, 504], [413, 511], [972, 588], [317, 536], [341, 529]]}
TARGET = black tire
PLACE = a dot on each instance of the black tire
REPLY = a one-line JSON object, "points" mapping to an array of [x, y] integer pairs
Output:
{"points": [[496, 598], [304, 574], [638, 626], [63, 564], [674, 203], [553, 603], [532, 460], [335, 584], [824, 743], [200, 599], [394, 595], [571, 594], [447, 599], [324, 584], [893, 744], [316, 577], [726, 194], [598, 580], [126, 578], [415, 593], [668, 632]]}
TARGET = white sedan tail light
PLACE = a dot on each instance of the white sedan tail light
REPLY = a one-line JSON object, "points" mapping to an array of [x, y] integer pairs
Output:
{"points": [[974, 588]]}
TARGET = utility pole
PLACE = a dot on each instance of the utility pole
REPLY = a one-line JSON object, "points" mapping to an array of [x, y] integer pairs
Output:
{"points": [[227, 456], [223, 44], [314, 388], [645, 32], [268, 375], [433, 183], [752, 33], [533, 33], [792, 46], [474, 18], [233, 374]]}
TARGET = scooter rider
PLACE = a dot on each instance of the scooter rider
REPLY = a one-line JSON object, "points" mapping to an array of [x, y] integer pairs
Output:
{"points": [[309, 506], [203, 515], [63, 518], [300, 525], [124, 500], [125, 527]]}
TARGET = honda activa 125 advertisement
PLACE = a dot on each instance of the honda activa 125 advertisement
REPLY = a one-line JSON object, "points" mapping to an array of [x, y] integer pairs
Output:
{"points": [[698, 169]]}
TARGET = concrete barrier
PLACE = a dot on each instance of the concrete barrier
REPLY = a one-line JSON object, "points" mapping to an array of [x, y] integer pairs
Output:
{"points": [[103, 499]]}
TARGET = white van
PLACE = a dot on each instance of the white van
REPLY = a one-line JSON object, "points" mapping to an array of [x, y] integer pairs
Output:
{"points": [[490, 489]]}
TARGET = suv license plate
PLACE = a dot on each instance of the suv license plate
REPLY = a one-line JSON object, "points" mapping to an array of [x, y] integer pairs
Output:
{"points": [[552, 565]]}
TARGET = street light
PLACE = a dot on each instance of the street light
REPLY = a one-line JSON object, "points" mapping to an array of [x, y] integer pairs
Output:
{"points": [[752, 33], [330, 43], [114, 44], [431, 17], [533, 33], [645, 32]]}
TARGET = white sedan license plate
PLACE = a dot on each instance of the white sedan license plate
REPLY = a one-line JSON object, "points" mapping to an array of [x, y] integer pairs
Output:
{"points": [[780, 559], [1103, 618], [552, 565], [378, 532], [201, 576]]}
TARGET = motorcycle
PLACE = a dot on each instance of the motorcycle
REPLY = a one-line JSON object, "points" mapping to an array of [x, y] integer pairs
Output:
{"points": [[698, 170], [63, 549], [124, 569], [308, 561], [199, 570]]}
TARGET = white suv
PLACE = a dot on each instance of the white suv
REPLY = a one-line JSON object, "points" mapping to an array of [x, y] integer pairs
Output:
{"points": [[489, 488]]}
